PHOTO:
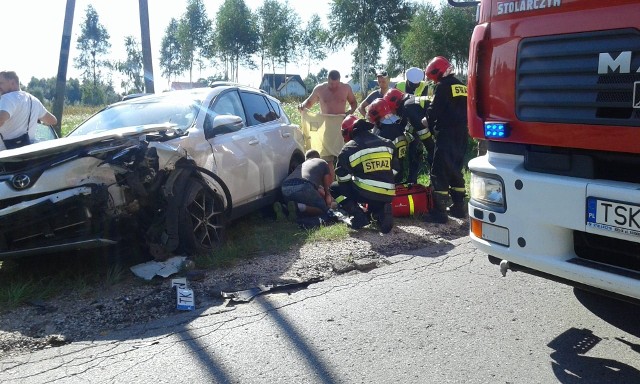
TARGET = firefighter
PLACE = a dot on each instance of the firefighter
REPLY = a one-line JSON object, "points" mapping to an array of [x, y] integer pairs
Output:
{"points": [[365, 175], [447, 115], [408, 107], [414, 83], [390, 127]]}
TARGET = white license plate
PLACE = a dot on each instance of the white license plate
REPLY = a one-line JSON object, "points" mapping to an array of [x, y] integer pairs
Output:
{"points": [[613, 216], [496, 234]]}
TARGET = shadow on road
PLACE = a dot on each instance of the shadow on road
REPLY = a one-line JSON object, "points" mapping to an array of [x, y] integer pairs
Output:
{"points": [[570, 365], [620, 314]]}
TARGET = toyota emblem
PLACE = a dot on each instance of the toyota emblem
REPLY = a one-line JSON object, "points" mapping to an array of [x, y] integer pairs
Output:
{"points": [[21, 181]]}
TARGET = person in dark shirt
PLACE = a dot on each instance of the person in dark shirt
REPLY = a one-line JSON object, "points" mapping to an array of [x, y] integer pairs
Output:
{"points": [[307, 189], [383, 82]]}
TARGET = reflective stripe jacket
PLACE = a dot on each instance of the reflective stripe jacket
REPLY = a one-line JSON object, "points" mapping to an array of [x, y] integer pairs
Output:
{"points": [[421, 90], [394, 131], [448, 110], [365, 166]]}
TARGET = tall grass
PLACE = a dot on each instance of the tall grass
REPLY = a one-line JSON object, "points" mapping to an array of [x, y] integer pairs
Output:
{"points": [[73, 115]]}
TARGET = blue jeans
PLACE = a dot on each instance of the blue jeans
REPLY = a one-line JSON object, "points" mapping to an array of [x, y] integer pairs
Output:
{"points": [[302, 191]]}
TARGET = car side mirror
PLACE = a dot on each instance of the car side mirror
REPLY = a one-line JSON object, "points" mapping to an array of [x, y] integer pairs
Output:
{"points": [[221, 124]]}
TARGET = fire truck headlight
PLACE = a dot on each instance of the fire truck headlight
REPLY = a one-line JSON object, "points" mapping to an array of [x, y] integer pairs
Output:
{"points": [[487, 191]]}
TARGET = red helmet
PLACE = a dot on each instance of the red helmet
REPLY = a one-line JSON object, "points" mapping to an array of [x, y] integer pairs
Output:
{"points": [[394, 98], [436, 68], [378, 109], [347, 127]]}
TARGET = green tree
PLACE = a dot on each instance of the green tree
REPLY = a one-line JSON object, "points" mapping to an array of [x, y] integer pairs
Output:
{"points": [[171, 62], [267, 18], [447, 33], [279, 32], [286, 37], [131, 68], [194, 32], [93, 94], [73, 93], [456, 29], [43, 89], [93, 44], [236, 35], [367, 23], [312, 80], [312, 42]]}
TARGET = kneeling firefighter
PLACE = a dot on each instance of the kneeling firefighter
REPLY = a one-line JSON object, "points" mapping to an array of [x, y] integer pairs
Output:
{"points": [[365, 175]]}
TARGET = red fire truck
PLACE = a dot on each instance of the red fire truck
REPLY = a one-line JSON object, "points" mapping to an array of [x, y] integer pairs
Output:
{"points": [[554, 89]]}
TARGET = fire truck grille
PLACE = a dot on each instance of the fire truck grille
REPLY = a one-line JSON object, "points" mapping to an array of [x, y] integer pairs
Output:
{"points": [[607, 250], [582, 78]]}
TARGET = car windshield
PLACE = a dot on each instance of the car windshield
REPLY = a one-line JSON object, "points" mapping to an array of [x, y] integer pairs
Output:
{"points": [[179, 112]]}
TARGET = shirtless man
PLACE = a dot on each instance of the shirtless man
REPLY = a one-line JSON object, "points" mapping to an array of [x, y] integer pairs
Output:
{"points": [[333, 96]]}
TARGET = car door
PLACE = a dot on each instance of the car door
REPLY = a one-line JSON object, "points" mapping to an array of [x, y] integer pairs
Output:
{"points": [[237, 154], [275, 143]]}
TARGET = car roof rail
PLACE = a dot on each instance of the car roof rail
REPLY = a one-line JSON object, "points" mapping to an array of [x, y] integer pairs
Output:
{"points": [[134, 96], [222, 83]]}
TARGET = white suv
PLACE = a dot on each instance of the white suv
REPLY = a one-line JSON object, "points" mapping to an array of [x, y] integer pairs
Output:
{"points": [[169, 169]]}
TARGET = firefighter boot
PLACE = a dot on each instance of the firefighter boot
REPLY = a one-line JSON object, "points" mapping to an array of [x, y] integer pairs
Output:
{"points": [[458, 209], [385, 218], [438, 214], [358, 218]]}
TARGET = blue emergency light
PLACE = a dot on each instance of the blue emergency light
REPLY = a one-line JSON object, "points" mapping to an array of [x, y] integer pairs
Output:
{"points": [[496, 130]]}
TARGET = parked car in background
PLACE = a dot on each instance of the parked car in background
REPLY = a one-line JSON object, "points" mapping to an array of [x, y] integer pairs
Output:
{"points": [[169, 170]]}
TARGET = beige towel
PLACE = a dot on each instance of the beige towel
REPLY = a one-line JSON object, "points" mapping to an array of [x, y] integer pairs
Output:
{"points": [[322, 132]]}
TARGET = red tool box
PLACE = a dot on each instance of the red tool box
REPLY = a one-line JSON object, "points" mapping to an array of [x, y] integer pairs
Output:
{"points": [[411, 199]]}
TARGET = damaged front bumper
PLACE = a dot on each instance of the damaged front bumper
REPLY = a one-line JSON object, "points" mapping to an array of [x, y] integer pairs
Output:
{"points": [[66, 220]]}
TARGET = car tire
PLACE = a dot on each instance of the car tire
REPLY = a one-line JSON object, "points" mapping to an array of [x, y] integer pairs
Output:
{"points": [[202, 219], [296, 160]]}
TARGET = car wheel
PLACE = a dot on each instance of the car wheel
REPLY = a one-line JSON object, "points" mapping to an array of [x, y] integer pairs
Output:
{"points": [[202, 218], [296, 160]]}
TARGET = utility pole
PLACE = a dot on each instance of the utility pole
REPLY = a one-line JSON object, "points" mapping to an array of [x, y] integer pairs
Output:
{"points": [[61, 82], [146, 47]]}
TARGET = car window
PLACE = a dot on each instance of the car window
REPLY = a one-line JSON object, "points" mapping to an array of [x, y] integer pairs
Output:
{"points": [[229, 103], [44, 133], [257, 108], [277, 108]]}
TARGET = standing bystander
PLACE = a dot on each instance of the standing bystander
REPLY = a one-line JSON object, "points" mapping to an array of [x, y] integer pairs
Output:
{"points": [[19, 113], [333, 95], [383, 82]]}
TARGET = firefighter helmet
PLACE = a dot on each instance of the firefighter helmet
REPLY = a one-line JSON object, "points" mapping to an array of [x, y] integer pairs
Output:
{"points": [[378, 110], [347, 127], [394, 98], [436, 68], [414, 75]]}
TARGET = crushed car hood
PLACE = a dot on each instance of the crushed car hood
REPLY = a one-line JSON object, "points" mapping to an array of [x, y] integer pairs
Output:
{"points": [[71, 143]]}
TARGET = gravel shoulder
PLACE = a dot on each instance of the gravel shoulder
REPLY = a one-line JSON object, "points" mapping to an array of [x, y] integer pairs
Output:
{"points": [[78, 317]]}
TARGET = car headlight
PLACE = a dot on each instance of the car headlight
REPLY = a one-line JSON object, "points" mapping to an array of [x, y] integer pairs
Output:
{"points": [[487, 191]]}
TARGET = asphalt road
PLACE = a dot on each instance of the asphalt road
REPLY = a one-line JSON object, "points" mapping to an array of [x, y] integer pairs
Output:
{"points": [[442, 315]]}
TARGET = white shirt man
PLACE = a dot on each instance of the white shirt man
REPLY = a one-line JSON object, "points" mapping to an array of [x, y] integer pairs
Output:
{"points": [[19, 110]]}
